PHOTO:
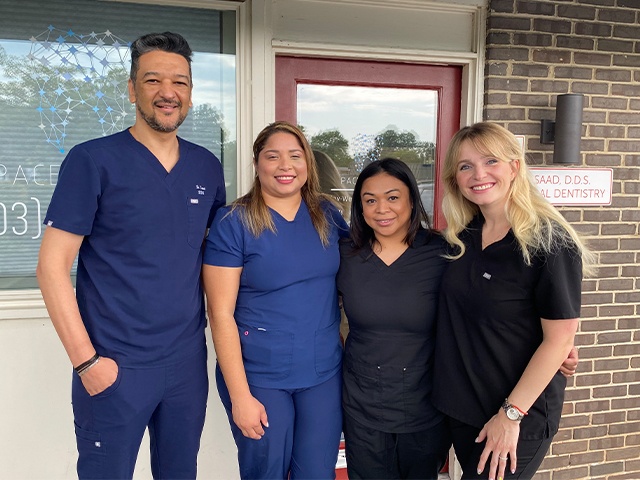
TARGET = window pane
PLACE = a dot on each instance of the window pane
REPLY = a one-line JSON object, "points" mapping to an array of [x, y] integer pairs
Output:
{"points": [[351, 126], [64, 66]]}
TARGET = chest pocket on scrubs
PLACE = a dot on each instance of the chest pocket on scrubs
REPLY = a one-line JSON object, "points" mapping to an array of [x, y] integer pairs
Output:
{"points": [[266, 354], [198, 209], [507, 301]]}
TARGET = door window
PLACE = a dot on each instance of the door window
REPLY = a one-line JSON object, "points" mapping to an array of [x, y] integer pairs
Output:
{"points": [[356, 112], [367, 124]]}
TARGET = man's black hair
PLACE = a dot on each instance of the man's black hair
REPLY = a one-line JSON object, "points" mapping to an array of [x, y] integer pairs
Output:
{"points": [[165, 42]]}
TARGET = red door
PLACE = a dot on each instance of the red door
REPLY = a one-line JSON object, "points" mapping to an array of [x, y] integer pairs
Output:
{"points": [[357, 111]]}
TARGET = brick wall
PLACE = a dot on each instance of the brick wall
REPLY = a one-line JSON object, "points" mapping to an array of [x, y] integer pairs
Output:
{"points": [[535, 51]]}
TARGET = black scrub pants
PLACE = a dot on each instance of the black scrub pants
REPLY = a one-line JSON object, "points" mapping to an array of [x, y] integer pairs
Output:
{"points": [[531, 453], [372, 454]]}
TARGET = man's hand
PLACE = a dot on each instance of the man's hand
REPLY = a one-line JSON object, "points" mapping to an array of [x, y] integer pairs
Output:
{"points": [[100, 377]]}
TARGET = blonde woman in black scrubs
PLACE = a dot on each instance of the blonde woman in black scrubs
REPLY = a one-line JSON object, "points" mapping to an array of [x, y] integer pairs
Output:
{"points": [[508, 309]]}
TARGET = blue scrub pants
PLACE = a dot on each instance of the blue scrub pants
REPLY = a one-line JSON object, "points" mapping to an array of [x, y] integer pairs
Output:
{"points": [[303, 436], [170, 401]]}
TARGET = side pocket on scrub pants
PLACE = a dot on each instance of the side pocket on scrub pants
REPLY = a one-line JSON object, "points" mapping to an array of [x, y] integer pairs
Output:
{"points": [[198, 209], [91, 451], [111, 388], [266, 354], [328, 348]]}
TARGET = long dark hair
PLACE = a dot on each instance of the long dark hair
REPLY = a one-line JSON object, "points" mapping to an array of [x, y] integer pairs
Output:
{"points": [[361, 233]]}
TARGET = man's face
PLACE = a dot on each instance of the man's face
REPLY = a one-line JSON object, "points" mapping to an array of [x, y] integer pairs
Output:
{"points": [[162, 90]]}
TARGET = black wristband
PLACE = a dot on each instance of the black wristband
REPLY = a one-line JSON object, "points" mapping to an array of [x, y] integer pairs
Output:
{"points": [[84, 365]]}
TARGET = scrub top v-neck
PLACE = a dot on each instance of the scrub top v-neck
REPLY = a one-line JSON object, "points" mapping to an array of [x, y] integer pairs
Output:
{"points": [[287, 306], [489, 325], [138, 278], [391, 309]]}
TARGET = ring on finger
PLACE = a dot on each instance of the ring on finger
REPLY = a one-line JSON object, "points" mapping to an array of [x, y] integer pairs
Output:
{"points": [[503, 458]]}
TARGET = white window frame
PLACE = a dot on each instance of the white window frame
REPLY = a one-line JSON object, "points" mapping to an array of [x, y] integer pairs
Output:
{"points": [[27, 304]]}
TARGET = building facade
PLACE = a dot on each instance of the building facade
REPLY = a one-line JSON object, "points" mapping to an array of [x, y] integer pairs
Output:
{"points": [[536, 51], [443, 64]]}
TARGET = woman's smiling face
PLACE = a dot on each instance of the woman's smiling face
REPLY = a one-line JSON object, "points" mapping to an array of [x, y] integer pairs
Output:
{"points": [[282, 166], [483, 179], [386, 206]]}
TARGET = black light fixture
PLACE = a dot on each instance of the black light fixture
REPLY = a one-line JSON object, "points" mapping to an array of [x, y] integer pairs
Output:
{"points": [[566, 132]]}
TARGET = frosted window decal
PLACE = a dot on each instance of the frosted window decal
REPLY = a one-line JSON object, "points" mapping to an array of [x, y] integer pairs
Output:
{"points": [[64, 69], [76, 72]]}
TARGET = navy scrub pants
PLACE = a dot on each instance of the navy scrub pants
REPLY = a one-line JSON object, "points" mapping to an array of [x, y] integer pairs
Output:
{"points": [[170, 401], [303, 436]]}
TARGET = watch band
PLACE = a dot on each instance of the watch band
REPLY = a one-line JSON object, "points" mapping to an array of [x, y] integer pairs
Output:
{"points": [[512, 412]]}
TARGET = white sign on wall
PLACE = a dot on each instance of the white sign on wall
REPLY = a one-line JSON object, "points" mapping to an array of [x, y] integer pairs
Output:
{"points": [[575, 186]]}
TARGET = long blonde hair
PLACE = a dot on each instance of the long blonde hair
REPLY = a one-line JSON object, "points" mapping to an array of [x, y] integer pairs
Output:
{"points": [[536, 224], [255, 214]]}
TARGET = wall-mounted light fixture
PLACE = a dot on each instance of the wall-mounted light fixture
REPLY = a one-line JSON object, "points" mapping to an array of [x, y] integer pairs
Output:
{"points": [[566, 132]]}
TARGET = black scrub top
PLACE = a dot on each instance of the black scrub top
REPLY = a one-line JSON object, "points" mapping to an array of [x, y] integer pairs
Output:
{"points": [[489, 327], [387, 368]]}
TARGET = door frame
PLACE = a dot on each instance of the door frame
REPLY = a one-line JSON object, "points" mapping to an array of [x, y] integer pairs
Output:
{"points": [[444, 79], [257, 52]]}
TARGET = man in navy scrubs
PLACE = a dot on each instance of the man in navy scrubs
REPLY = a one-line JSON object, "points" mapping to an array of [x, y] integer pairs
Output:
{"points": [[135, 208]]}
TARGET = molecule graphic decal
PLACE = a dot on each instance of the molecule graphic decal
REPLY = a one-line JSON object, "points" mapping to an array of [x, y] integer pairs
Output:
{"points": [[79, 75], [365, 150]]}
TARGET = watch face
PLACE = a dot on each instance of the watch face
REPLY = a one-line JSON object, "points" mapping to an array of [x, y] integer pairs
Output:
{"points": [[513, 414]]}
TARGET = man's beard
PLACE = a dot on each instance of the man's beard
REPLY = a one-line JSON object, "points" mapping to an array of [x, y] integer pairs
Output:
{"points": [[152, 121]]}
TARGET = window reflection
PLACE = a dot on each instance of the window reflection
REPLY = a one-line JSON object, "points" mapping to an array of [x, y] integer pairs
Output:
{"points": [[351, 126], [64, 69]]}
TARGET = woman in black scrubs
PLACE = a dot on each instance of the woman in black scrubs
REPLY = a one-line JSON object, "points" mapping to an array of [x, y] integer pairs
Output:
{"points": [[508, 309], [389, 279]]}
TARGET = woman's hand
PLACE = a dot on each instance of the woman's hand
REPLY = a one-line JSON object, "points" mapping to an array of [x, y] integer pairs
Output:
{"points": [[221, 286], [501, 436], [570, 365], [250, 416]]}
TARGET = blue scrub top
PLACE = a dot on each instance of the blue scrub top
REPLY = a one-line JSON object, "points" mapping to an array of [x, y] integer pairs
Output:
{"points": [[287, 307], [138, 280]]}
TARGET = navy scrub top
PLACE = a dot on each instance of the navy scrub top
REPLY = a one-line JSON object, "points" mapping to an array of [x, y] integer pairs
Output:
{"points": [[138, 279], [287, 307]]}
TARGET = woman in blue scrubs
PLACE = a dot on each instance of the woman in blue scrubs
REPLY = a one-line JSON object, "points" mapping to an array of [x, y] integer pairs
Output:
{"points": [[270, 268]]}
